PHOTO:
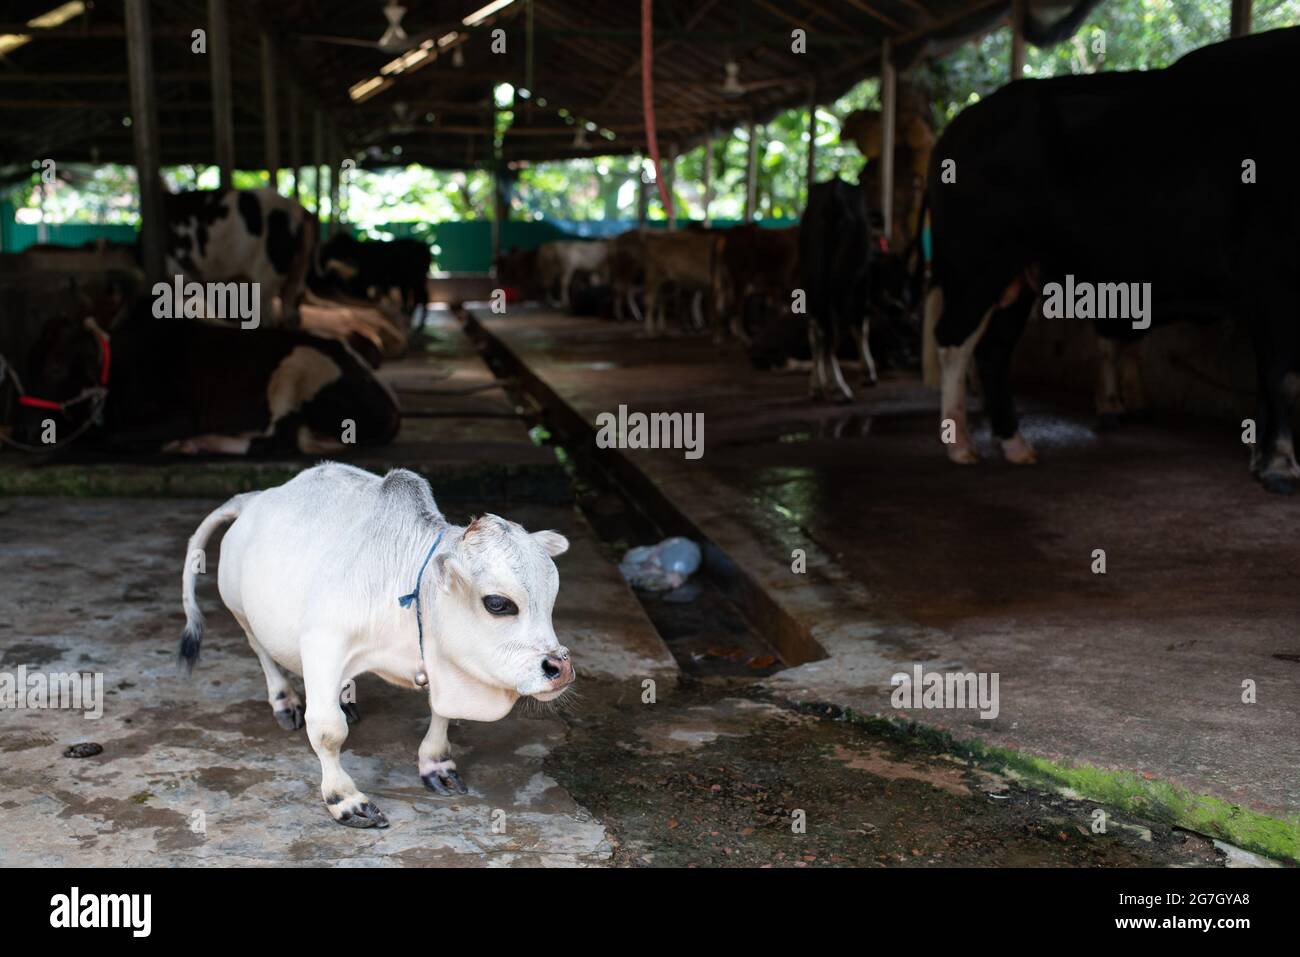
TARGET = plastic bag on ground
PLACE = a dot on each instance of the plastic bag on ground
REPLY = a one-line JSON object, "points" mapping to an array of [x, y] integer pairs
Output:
{"points": [[661, 567]]}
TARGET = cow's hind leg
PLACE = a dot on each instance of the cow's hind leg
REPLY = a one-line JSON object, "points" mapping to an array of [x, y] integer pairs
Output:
{"points": [[993, 357], [862, 335], [953, 364], [437, 769], [285, 704], [327, 728]]}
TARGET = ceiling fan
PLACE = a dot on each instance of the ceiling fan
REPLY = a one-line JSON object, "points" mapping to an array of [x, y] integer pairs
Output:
{"points": [[732, 88], [394, 40]]}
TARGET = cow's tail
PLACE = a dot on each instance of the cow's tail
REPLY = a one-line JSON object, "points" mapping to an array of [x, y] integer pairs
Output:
{"points": [[929, 344], [195, 561]]}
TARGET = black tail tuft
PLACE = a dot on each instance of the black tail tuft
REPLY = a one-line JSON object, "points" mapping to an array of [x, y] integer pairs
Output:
{"points": [[191, 638]]}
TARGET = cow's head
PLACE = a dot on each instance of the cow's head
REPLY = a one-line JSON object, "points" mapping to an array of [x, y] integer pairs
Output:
{"points": [[69, 361], [493, 640]]}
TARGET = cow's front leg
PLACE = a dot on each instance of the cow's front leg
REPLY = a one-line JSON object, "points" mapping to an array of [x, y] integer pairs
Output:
{"points": [[327, 728], [437, 769]]}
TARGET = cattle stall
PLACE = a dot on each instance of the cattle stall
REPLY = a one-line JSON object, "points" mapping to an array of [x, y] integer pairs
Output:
{"points": [[875, 451]]}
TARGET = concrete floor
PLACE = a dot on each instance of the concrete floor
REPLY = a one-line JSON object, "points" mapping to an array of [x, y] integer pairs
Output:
{"points": [[1136, 674], [196, 771]]}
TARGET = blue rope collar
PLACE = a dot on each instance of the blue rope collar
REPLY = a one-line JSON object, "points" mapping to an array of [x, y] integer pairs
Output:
{"points": [[406, 600]]}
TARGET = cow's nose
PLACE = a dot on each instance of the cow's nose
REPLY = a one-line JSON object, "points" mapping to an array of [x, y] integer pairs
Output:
{"points": [[557, 669]]}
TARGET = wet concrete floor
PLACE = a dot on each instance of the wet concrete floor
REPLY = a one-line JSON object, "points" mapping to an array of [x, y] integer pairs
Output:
{"points": [[196, 771], [1148, 668]]}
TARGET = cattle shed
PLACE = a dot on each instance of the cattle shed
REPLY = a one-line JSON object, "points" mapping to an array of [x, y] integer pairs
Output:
{"points": [[1111, 626]]}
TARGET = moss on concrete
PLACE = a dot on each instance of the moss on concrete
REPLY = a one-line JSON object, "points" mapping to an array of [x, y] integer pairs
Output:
{"points": [[1148, 797]]}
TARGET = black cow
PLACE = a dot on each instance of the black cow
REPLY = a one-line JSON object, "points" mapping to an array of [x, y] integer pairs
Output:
{"points": [[1119, 178], [252, 235], [357, 267], [184, 386], [834, 273]]}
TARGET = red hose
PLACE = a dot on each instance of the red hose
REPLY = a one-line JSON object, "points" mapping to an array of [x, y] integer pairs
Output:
{"points": [[648, 99]]}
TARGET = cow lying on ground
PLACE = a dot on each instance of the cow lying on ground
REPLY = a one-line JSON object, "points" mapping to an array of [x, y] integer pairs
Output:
{"points": [[1041, 193], [558, 261], [177, 385], [760, 263], [689, 260], [370, 270], [835, 270], [322, 573], [516, 269], [250, 235]]}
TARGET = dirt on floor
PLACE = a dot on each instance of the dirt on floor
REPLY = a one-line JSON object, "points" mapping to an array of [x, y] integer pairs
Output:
{"points": [[723, 776]]}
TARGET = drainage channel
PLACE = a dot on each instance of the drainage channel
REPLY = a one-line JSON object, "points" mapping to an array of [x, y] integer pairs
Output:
{"points": [[704, 629]]}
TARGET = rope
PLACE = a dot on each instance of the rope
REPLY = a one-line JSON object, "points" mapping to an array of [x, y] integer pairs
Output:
{"points": [[648, 100]]}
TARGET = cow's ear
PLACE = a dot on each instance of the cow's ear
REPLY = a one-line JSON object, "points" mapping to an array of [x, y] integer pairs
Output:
{"points": [[451, 573], [554, 543]]}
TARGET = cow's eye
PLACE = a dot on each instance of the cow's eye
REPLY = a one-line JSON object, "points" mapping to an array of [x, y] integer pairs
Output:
{"points": [[500, 605]]}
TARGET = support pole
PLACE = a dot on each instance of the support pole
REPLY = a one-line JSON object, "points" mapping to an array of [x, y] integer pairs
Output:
{"points": [[888, 124], [144, 133], [270, 111], [317, 158], [295, 140], [670, 182], [810, 174], [1017, 39], [751, 171], [708, 176], [1240, 21], [336, 163], [223, 130], [642, 197]]}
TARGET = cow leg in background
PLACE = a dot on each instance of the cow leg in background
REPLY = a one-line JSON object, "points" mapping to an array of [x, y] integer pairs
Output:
{"points": [[1110, 404], [954, 356], [862, 337], [1132, 393], [327, 728], [827, 379], [993, 356], [1120, 397], [1273, 457], [437, 769]]}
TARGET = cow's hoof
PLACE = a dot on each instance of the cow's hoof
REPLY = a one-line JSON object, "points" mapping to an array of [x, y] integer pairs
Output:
{"points": [[442, 778], [291, 718], [963, 455], [1018, 451], [350, 712], [1278, 484], [362, 814], [1109, 421]]}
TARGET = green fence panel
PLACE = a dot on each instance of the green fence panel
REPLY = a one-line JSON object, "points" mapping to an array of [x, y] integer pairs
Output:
{"points": [[458, 247]]}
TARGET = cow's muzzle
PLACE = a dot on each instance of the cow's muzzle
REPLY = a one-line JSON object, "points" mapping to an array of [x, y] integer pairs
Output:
{"points": [[558, 672]]}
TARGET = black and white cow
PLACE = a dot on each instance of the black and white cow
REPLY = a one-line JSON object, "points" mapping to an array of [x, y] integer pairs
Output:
{"points": [[1118, 178], [177, 385], [251, 235], [834, 273], [372, 269]]}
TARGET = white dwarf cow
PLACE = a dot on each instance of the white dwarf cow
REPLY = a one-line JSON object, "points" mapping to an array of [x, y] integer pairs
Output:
{"points": [[338, 573]]}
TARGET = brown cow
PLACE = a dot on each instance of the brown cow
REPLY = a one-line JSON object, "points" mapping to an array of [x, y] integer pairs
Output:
{"points": [[759, 262], [688, 259]]}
